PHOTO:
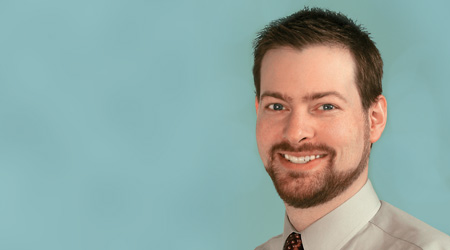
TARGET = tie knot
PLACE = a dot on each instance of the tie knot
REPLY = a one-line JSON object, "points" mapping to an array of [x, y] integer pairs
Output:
{"points": [[293, 242]]}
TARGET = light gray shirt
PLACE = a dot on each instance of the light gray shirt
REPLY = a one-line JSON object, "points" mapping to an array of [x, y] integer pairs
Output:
{"points": [[364, 222]]}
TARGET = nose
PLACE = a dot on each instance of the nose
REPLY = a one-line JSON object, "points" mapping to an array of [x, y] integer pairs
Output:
{"points": [[298, 128]]}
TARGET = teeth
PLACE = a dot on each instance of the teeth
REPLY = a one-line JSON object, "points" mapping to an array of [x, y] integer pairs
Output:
{"points": [[301, 159]]}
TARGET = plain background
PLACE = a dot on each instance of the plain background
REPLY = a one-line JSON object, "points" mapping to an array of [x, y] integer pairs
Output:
{"points": [[130, 124]]}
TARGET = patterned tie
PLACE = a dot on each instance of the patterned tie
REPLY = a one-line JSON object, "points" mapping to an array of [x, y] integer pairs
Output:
{"points": [[293, 242]]}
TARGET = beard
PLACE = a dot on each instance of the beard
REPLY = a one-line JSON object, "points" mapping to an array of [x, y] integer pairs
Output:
{"points": [[304, 190]]}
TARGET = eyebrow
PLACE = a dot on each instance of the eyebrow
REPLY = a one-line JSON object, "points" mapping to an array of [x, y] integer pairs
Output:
{"points": [[319, 95], [275, 95], [310, 97]]}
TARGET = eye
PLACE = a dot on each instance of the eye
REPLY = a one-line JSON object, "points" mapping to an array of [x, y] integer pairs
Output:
{"points": [[276, 106], [327, 107]]}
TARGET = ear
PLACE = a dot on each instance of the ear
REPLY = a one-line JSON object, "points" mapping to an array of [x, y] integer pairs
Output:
{"points": [[256, 104], [377, 118]]}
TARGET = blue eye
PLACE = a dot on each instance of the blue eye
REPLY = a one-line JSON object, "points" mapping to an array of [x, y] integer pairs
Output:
{"points": [[327, 107], [276, 106]]}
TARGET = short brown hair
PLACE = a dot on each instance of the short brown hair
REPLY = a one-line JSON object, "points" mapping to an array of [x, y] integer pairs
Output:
{"points": [[324, 27]]}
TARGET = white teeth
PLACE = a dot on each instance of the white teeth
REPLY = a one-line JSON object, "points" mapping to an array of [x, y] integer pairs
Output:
{"points": [[301, 159]]}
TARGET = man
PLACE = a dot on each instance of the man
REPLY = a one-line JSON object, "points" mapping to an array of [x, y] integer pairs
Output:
{"points": [[320, 108]]}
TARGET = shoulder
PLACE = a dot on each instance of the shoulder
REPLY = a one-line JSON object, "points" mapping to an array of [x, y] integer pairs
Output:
{"points": [[273, 243], [403, 227]]}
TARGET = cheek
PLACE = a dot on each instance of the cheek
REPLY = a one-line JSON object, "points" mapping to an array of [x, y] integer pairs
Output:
{"points": [[346, 128], [261, 134], [339, 132], [266, 135], [347, 138]]}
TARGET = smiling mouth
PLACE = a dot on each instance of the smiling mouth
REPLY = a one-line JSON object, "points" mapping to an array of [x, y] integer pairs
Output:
{"points": [[301, 159]]}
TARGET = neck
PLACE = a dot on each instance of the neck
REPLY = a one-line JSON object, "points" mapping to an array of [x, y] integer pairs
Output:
{"points": [[301, 218]]}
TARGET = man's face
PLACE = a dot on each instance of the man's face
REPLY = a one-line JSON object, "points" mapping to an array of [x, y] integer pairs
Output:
{"points": [[311, 130]]}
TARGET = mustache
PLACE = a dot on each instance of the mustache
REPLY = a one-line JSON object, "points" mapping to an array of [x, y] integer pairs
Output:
{"points": [[286, 146]]}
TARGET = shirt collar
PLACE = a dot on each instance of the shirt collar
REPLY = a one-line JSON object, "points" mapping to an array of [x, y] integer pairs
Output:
{"points": [[336, 228]]}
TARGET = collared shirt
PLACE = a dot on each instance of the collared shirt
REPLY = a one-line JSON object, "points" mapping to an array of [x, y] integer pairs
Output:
{"points": [[364, 222]]}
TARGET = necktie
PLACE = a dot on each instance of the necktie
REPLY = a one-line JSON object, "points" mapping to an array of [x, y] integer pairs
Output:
{"points": [[293, 242]]}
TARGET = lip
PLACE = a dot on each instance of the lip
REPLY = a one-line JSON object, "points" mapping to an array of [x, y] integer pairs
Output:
{"points": [[311, 165], [302, 154]]}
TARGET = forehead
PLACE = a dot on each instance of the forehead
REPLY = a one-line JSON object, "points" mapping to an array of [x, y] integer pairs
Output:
{"points": [[313, 69]]}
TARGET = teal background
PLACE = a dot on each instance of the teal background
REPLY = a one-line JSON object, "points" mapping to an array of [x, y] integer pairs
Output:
{"points": [[130, 124]]}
